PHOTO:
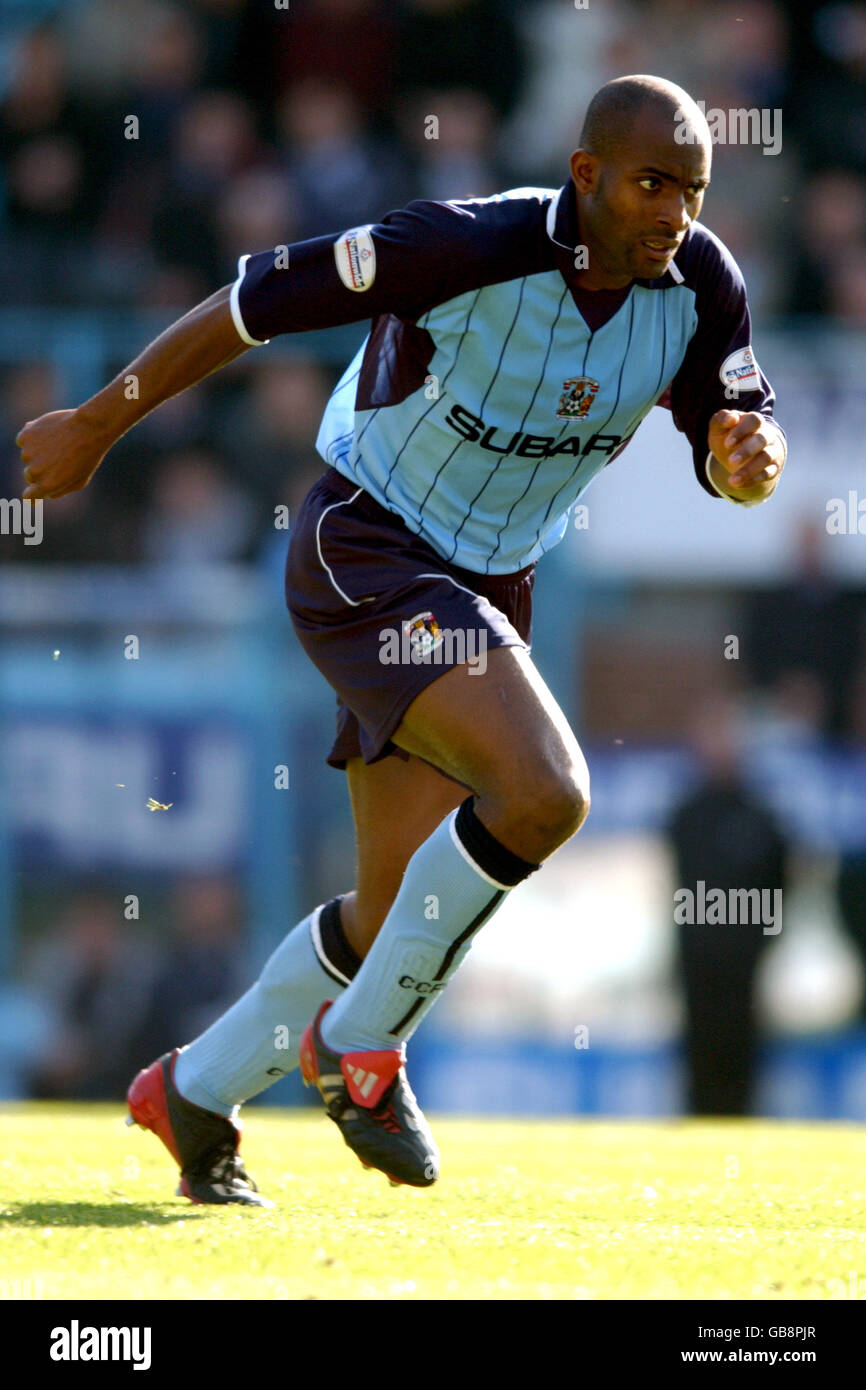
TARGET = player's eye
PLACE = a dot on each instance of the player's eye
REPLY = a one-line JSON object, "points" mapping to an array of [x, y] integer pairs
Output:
{"points": [[650, 183]]}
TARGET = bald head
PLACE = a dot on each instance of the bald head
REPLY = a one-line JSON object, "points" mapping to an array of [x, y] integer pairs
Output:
{"points": [[640, 176], [616, 107]]}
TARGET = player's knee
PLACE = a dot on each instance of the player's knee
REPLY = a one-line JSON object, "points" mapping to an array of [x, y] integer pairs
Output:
{"points": [[558, 804]]}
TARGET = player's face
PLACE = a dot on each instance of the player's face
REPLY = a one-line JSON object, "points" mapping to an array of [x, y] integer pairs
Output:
{"points": [[636, 208]]}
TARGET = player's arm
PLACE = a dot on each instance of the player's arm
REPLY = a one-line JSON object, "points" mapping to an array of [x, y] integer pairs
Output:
{"points": [[63, 449], [414, 258], [720, 397]]}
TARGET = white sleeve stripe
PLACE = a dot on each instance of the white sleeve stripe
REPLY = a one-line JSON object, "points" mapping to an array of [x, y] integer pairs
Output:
{"points": [[234, 303]]}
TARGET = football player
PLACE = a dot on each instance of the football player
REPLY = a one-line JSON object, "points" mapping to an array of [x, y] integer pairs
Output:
{"points": [[515, 344]]}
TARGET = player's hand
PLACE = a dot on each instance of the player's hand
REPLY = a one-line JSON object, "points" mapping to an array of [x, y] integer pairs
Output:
{"points": [[60, 454], [749, 447]]}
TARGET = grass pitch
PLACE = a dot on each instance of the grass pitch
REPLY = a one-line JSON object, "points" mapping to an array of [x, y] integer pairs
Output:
{"points": [[523, 1210]]}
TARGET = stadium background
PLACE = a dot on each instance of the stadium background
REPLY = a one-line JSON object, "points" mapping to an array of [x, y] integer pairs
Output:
{"points": [[260, 125]]}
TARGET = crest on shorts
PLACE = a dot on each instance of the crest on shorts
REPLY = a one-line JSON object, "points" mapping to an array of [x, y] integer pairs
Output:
{"points": [[423, 632], [578, 394]]}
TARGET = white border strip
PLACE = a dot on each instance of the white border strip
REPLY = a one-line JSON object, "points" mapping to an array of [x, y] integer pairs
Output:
{"points": [[473, 592], [316, 938], [234, 304], [355, 602], [458, 844]]}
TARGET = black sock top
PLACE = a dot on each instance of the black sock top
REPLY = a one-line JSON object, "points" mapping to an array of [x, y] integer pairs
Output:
{"points": [[342, 956], [489, 853]]}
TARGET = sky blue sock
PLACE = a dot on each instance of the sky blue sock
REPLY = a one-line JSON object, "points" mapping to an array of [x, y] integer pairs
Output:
{"points": [[256, 1041], [452, 885]]}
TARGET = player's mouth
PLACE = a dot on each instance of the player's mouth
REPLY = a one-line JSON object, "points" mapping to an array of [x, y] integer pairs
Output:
{"points": [[658, 250]]}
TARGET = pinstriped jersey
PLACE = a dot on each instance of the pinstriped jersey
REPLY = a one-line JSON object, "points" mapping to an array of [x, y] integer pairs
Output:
{"points": [[491, 389]]}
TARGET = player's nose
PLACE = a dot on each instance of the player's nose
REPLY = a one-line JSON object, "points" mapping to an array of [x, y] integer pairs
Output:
{"points": [[673, 215]]}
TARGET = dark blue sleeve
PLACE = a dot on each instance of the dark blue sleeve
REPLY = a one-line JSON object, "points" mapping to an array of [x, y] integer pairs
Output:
{"points": [[720, 370], [416, 257]]}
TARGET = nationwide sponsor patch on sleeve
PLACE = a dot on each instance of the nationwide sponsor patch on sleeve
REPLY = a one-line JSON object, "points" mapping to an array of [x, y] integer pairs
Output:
{"points": [[740, 371], [355, 255]]}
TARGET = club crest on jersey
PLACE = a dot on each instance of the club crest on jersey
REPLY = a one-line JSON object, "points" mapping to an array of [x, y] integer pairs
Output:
{"points": [[423, 632], [577, 397]]}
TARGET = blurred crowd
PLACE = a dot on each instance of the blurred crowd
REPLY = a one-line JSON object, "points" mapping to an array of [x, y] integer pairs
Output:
{"points": [[146, 144], [113, 993]]}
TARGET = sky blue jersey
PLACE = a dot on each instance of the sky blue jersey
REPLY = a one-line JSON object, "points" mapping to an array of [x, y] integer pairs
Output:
{"points": [[492, 388]]}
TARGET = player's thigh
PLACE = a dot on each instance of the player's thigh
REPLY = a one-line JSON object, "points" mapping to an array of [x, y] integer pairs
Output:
{"points": [[396, 806], [502, 733]]}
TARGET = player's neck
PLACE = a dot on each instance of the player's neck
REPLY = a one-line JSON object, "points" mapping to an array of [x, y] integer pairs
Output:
{"points": [[591, 272], [587, 280], [594, 274]]}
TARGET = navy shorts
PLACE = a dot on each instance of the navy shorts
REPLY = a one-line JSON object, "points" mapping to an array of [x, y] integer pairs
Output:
{"points": [[382, 615]]}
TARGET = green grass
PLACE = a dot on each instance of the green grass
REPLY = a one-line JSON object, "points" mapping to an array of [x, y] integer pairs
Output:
{"points": [[524, 1210]]}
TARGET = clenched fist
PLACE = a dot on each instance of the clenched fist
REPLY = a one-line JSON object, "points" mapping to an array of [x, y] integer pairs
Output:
{"points": [[750, 448], [60, 453]]}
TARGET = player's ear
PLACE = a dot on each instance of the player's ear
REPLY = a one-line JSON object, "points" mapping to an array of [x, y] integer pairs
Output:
{"points": [[584, 170]]}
